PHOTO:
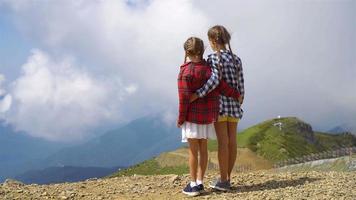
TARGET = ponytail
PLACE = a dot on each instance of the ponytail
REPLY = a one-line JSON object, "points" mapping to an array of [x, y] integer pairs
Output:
{"points": [[233, 57], [219, 64]]}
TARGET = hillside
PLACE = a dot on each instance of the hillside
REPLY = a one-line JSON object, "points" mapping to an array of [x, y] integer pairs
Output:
{"points": [[258, 148], [164, 176], [28, 158], [342, 128], [346, 163], [295, 138], [252, 185], [176, 162], [135, 142], [18, 151], [63, 174]]}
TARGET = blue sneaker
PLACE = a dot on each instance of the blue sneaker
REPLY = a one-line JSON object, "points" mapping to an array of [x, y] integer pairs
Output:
{"points": [[200, 188], [220, 185], [191, 191]]}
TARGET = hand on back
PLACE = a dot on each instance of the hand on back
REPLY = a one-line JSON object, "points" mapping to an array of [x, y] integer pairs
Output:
{"points": [[193, 98], [241, 99]]}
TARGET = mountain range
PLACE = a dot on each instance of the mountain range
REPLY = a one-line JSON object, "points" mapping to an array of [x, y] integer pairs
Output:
{"points": [[33, 160], [28, 158], [342, 128], [18, 150], [137, 141], [63, 174]]}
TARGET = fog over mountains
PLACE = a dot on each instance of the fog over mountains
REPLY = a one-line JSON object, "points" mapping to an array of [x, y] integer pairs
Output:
{"points": [[137, 141], [96, 63]]}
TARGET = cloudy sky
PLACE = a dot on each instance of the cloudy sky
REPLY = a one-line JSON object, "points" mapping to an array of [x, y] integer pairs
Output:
{"points": [[70, 67]]}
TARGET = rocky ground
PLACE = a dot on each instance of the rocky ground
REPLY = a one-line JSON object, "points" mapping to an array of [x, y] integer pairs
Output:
{"points": [[253, 185]]}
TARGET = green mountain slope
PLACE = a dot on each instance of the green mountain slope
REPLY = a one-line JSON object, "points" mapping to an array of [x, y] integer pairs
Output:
{"points": [[258, 146], [176, 162], [295, 138]]}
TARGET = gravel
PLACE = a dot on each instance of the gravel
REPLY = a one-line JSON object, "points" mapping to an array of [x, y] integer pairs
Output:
{"points": [[253, 185]]}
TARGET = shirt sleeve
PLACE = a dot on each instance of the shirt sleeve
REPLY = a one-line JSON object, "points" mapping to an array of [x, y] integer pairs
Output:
{"points": [[213, 81], [240, 77], [184, 96], [225, 90]]}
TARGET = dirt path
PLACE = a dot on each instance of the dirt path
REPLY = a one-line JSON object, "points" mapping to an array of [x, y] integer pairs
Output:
{"points": [[254, 185]]}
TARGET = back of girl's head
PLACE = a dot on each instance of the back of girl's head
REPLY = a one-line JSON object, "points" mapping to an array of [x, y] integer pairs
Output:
{"points": [[193, 47], [219, 35]]}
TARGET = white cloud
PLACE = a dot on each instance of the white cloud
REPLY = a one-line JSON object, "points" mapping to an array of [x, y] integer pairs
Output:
{"points": [[58, 100], [131, 89], [133, 43], [5, 104], [2, 80], [297, 55], [5, 99]]}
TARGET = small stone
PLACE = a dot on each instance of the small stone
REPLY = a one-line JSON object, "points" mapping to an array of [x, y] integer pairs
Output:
{"points": [[12, 182], [174, 178], [147, 188]]}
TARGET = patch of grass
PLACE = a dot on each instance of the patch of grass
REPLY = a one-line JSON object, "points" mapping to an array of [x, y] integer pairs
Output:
{"points": [[333, 141], [295, 139], [212, 145], [151, 167], [265, 143], [243, 138]]}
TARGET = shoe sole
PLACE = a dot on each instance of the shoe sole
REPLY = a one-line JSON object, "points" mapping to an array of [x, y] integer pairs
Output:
{"points": [[191, 194], [219, 188]]}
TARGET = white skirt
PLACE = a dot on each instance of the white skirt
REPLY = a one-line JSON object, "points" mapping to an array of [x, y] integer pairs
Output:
{"points": [[197, 131]]}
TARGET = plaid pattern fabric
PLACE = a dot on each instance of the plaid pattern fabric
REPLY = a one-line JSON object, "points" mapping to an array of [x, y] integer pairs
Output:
{"points": [[204, 110], [233, 75]]}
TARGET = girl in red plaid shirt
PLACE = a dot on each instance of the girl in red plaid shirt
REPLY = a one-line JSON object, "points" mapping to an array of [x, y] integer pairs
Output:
{"points": [[197, 118]]}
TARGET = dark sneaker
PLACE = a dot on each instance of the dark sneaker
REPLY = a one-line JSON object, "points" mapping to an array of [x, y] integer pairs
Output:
{"points": [[220, 185], [228, 180], [191, 191], [200, 188]]}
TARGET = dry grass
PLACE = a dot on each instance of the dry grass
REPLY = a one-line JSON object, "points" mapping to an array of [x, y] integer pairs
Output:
{"points": [[245, 157]]}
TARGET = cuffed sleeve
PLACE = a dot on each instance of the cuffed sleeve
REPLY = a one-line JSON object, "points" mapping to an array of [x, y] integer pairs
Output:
{"points": [[240, 77]]}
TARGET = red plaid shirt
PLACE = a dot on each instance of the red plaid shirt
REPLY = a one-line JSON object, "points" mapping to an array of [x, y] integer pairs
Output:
{"points": [[193, 76]]}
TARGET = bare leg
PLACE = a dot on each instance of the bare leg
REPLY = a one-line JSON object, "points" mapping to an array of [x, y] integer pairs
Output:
{"points": [[193, 158], [203, 158], [223, 149], [232, 131]]}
